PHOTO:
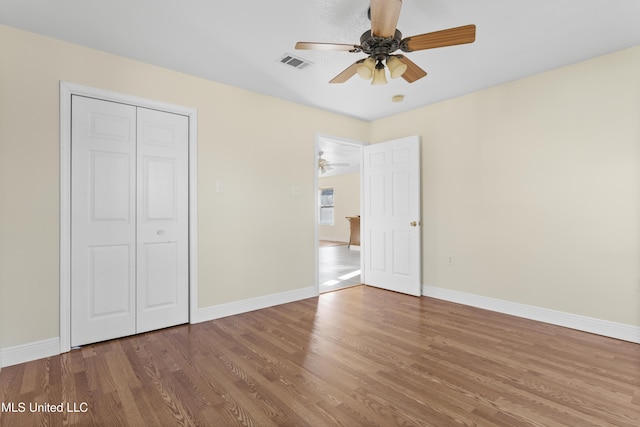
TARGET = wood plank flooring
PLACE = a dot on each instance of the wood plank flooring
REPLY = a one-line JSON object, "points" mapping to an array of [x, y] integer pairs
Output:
{"points": [[355, 357]]}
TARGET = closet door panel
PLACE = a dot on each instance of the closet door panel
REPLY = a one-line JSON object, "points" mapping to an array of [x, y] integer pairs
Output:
{"points": [[163, 279], [129, 220], [103, 229]]}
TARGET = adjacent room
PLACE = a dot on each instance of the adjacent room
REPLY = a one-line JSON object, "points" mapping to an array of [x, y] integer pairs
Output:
{"points": [[236, 278], [339, 255]]}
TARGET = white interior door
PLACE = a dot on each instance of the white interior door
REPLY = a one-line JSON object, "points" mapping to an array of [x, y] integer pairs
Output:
{"points": [[129, 220], [163, 262], [391, 215], [103, 220]]}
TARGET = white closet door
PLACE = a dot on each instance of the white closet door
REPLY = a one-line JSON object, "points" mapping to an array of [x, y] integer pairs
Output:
{"points": [[103, 220], [162, 170], [129, 220]]}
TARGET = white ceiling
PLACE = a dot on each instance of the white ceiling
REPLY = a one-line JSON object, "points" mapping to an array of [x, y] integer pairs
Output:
{"points": [[239, 43]]}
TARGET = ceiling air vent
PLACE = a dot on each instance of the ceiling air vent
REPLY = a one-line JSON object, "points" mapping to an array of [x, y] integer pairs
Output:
{"points": [[295, 61]]}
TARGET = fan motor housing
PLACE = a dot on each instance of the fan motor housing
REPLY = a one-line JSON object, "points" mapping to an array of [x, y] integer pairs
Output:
{"points": [[374, 46]]}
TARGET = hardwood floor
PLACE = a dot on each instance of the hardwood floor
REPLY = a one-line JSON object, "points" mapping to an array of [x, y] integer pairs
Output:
{"points": [[359, 356]]}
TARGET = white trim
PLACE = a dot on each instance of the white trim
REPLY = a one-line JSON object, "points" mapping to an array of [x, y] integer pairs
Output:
{"points": [[363, 219], [592, 325], [65, 218], [50, 347], [251, 304], [66, 91], [27, 352], [316, 219], [193, 215]]}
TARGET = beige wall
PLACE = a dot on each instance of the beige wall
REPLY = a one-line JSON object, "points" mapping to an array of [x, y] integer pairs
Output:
{"points": [[534, 188], [241, 138], [346, 203]]}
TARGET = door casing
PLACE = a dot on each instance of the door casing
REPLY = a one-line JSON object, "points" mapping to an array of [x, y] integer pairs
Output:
{"points": [[68, 89]]}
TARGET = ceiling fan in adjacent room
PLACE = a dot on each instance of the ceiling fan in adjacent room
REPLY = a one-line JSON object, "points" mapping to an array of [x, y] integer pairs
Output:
{"points": [[325, 165], [383, 39]]}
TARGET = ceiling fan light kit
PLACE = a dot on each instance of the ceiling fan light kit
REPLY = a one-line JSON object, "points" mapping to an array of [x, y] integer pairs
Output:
{"points": [[396, 67], [384, 38], [365, 69], [379, 77]]}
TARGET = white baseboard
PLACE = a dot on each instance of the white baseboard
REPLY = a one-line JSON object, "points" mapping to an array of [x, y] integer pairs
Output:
{"points": [[251, 304], [31, 351], [51, 347], [606, 328]]}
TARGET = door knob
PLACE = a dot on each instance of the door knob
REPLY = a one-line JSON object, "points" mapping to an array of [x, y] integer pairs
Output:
{"points": [[413, 223]]}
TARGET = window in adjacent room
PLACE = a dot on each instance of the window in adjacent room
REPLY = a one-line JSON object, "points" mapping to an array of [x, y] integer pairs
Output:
{"points": [[326, 206]]}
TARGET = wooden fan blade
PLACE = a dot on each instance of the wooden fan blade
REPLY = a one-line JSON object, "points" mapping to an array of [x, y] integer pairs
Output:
{"points": [[450, 37], [327, 46], [347, 73], [413, 72], [384, 17]]}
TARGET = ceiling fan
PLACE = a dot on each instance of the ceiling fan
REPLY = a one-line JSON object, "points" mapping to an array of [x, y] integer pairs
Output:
{"points": [[383, 39], [325, 165]]}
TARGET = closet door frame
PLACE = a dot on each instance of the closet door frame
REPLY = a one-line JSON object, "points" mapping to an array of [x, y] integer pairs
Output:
{"points": [[67, 90]]}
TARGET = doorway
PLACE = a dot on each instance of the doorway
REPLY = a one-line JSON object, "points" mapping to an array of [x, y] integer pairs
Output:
{"points": [[338, 207], [157, 165]]}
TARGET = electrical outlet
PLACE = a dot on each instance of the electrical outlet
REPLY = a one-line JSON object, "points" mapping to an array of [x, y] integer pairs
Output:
{"points": [[450, 261]]}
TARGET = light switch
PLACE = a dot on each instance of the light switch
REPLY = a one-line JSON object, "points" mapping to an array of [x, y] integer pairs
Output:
{"points": [[219, 187]]}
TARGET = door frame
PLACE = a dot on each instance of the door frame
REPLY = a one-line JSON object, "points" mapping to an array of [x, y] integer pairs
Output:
{"points": [[67, 90], [316, 206]]}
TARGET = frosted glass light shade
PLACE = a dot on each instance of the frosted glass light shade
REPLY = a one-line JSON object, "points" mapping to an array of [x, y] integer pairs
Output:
{"points": [[396, 67], [365, 69], [379, 77]]}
